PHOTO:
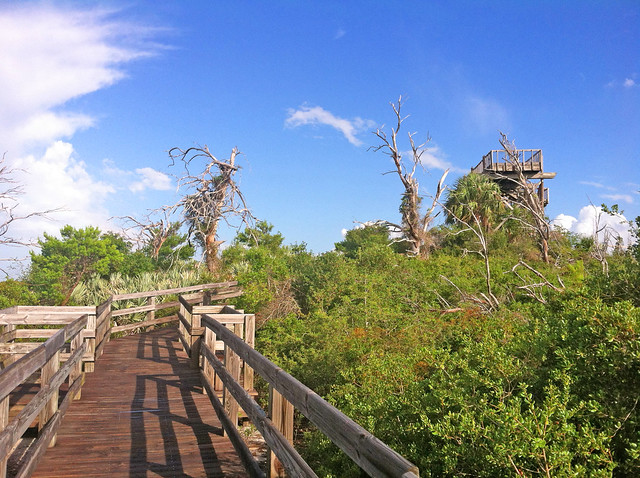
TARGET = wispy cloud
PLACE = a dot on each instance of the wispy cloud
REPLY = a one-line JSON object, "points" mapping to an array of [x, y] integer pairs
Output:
{"points": [[151, 179], [434, 158], [486, 115], [597, 185], [592, 183], [52, 54], [619, 197], [339, 34], [316, 115], [626, 83], [58, 180]]}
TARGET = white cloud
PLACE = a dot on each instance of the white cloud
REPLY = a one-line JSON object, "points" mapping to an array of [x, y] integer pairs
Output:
{"points": [[151, 179], [50, 56], [619, 197], [434, 158], [627, 83], [592, 217], [58, 180], [339, 34], [596, 185], [316, 115]]}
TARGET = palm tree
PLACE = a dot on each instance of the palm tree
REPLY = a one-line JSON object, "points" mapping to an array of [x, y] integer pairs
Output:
{"points": [[475, 197]]}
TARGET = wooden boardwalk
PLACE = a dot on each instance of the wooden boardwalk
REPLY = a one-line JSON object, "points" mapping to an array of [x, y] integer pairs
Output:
{"points": [[142, 413]]}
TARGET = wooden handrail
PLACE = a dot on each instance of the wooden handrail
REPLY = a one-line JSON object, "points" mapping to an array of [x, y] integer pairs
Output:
{"points": [[178, 290], [368, 452], [46, 358], [20, 370], [291, 459]]}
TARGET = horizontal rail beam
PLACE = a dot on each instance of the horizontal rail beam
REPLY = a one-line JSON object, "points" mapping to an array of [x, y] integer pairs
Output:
{"points": [[179, 290], [36, 451], [16, 428], [21, 369], [287, 454], [145, 323]]}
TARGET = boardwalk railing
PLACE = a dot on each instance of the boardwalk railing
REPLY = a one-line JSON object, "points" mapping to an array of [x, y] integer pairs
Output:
{"points": [[214, 338], [154, 302], [75, 338], [498, 160], [64, 345], [220, 342]]}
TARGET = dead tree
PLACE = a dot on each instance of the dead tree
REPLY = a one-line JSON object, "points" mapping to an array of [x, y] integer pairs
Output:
{"points": [[415, 225], [605, 238], [526, 198], [475, 225], [209, 197], [152, 231], [535, 287]]}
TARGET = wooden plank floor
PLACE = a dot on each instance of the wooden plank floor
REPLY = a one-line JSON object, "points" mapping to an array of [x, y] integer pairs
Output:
{"points": [[142, 413]]}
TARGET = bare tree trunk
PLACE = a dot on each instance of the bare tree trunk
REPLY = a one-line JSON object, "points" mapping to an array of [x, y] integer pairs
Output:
{"points": [[212, 248], [414, 226], [213, 195]]}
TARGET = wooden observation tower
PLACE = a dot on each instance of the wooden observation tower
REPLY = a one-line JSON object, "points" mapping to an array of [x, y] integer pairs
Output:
{"points": [[503, 168]]}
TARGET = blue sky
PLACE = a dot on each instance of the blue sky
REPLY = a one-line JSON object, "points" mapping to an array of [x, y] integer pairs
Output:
{"points": [[95, 96]]}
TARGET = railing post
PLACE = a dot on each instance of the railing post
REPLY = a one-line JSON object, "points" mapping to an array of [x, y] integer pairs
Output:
{"points": [[6, 338], [4, 421], [181, 328], [232, 364], [48, 370], [209, 372], [89, 366], [196, 339], [281, 412], [76, 343], [151, 314], [250, 339]]}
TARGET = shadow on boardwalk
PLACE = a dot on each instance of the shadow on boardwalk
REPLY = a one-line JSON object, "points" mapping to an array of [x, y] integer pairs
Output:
{"points": [[142, 413]]}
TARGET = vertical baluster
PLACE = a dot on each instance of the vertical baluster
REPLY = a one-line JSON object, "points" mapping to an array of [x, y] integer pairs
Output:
{"points": [[250, 339], [76, 343], [151, 314], [4, 421], [281, 412], [48, 370], [232, 364]]}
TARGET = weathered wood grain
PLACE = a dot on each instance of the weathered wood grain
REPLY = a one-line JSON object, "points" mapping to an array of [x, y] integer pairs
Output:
{"points": [[274, 438], [16, 428], [144, 324], [142, 413], [17, 372]]}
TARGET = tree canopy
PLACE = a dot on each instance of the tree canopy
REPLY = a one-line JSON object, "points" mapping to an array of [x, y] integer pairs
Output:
{"points": [[66, 261]]}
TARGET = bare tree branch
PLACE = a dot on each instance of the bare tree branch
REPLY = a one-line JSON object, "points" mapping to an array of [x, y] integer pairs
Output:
{"points": [[210, 196], [525, 197], [153, 230], [415, 226], [478, 230], [534, 289]]}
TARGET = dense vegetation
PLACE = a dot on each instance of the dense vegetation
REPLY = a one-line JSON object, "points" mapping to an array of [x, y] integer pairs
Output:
{"points": [[478, 361]]}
